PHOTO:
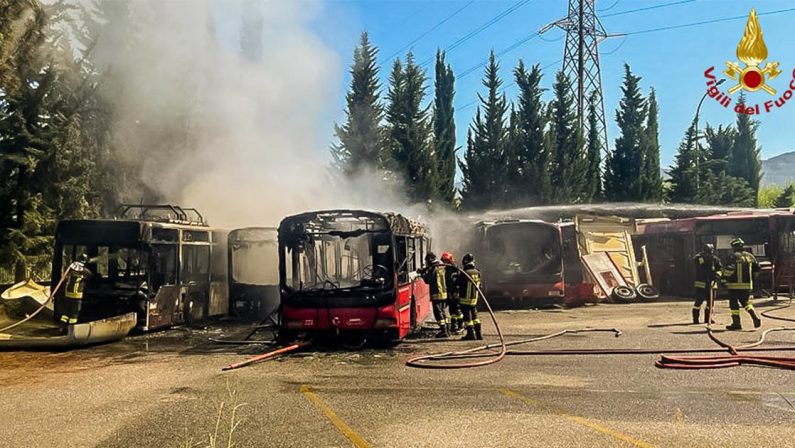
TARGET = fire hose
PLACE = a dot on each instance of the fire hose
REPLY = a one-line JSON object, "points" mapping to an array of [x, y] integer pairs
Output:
{"points": [[43, 305], [733, 358]]}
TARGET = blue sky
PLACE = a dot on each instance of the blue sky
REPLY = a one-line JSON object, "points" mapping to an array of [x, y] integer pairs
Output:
{"points": [[671, 61]]}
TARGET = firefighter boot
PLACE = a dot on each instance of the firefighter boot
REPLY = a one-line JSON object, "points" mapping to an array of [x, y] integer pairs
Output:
{"points": [[470, 336], [696, 313], [478, 335], [443, 333], [755, 318], [708, 316], [736, 324]]}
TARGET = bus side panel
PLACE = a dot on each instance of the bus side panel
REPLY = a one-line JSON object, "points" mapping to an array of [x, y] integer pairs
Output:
{"points": [[164, 309], [404, 310], [219, 274]]}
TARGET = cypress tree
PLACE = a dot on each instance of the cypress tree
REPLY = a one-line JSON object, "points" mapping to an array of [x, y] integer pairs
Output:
{"points": [[627, 159], [361, 138], [745, 162], [530, 183], [683, 179], [251, 32], [444, 148], [651, 188], [593, 177], [483, 167], [565, 145], [787, 198], [719, 144], [410, 130]]}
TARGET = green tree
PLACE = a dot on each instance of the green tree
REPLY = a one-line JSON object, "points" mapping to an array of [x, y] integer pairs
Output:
{"points": [[627, 159], [745, 162], [787, 197], [593, 177], [409, 130], [719, 144], [683, 179], [483, 167], [444, 148], [361, 138], [529, 181], [651, 181], [565, 145], [723, 189]]}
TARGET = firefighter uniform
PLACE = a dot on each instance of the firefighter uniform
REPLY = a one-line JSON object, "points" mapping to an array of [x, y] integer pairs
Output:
{"points": [[456, 316], [708, 270], [73, 292], [434, 276], [739, 277], [468, 295]]}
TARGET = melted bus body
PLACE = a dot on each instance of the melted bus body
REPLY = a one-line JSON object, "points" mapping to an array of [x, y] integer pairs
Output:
{"points": [[157, 261], [523, 260], [673, 244], [254, 272], [352, 272]]}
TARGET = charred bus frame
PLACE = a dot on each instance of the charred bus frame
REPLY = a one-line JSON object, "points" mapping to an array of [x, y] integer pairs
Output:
{"points": [[352, 273], [162, 262]]}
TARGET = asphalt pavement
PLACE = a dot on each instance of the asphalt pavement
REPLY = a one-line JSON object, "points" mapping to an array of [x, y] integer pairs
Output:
{"points": [[168, 389]]}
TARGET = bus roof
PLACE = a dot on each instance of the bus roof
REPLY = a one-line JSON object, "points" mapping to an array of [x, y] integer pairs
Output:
{"points": [[395, 222], [689, 224]]}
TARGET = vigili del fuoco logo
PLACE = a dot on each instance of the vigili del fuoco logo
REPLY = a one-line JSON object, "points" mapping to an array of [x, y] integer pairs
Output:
{"points": [[751, 74]]}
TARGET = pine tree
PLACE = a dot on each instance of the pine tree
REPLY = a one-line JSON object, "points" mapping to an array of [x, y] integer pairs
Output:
{"points": [[483, 167], [530, 183], [627, 159], [745, 161], [593, 177], [410, 130], [683, 179], [444, 129], [719, 144], [565, 145], [787, 198], [251, 32], [361, 138], [651, 188]]}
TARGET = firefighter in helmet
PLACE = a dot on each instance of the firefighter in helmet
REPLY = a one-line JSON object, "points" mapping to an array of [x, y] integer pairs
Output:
{"points": [[450, 276], [434, 276], [739, 277], [708, 271], [468, 293], [77, 275]]}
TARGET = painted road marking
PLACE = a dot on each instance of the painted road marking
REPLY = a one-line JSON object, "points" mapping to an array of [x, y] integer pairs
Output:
{"points": [[346, 430], [579, 420]]}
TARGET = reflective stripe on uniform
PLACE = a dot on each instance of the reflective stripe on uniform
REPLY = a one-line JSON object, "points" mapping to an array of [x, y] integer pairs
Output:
{"points": [[65, 319], [741, 286], [735, 312], [700, 284], [441, 286], [750, 306]]}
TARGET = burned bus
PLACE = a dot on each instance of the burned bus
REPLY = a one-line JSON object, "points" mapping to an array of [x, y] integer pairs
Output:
{"points": [[162, 262], [352, 274], [254, 272], [673, 244], [522, 260]]}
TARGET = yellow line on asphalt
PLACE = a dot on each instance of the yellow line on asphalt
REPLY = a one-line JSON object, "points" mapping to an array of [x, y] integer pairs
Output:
{"points": [[346, 430], [579, 420]]}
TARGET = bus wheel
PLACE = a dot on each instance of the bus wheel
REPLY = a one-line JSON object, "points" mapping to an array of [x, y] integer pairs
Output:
{"points": [[623, 294], [647, 293]]}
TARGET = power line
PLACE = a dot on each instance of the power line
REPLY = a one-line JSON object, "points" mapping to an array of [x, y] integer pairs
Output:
{"points": [[430, 30], [511, 84], [705, 22], [646, 8], [609, 7], [481, 28]]}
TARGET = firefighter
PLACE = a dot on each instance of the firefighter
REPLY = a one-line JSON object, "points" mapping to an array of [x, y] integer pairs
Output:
{"points": [[434, 276], [708, 271], [450, 276], [739, 278], [468, 295], [75, 286]]}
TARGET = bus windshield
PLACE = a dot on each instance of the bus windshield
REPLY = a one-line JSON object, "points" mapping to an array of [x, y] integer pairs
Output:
{"points": [[524, 248], [110, 263], [340, 253]]}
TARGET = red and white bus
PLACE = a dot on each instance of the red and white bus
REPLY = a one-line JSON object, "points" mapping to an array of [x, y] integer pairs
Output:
{"points": [[671, 246], [352, 274]]}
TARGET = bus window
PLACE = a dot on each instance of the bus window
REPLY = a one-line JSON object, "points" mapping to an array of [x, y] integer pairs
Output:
{"points": [[195, 264], [164, 265], [400, 259]]}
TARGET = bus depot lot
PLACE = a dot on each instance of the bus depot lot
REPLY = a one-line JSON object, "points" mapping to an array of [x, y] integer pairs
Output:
{"points": [[164, 389]]}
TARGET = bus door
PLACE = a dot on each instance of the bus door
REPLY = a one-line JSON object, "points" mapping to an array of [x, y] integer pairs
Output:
{"points": [[163, 306], [195, 275]]}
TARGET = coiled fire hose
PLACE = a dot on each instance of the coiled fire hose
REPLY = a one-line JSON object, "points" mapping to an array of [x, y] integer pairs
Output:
{"points": [[733, 358], [49, 299]]}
